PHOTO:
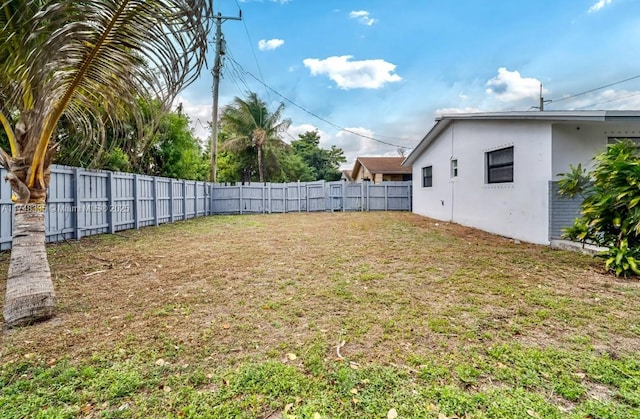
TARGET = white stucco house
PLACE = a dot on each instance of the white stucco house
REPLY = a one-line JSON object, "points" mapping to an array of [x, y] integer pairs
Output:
{"points": [[496, 171]]}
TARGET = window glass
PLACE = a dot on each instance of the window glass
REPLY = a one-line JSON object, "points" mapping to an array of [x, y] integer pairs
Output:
{"points": [[500, 165], [427, 177]]}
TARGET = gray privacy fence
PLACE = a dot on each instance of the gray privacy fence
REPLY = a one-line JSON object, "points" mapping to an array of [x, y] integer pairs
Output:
{"points": [[86, 202], [308, 197]]}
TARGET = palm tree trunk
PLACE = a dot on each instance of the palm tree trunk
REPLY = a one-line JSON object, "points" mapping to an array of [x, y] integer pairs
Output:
{"points": [[260, 167], [30, 296]]}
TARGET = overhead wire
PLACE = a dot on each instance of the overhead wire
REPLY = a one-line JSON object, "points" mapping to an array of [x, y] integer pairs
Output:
{"points": [[609, 101], [238, 69], [236, 74], [253, 51], [341, 128], [594, 90]]}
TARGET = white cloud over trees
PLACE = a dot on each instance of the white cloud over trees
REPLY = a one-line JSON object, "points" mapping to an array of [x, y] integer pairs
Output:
{"points": [[349, 74]]}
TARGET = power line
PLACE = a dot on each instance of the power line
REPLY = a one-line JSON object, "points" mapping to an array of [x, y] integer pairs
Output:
{"points": [[315, 115], [596, 89], [609, 101], [236, 74], [253, 51]]}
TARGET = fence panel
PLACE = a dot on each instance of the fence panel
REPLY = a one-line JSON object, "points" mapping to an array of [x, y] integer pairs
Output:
{"points": [[354, 197], [123, 204], [226, 199], [91, 210], [163, 200], [60, 219], [277, 198]]}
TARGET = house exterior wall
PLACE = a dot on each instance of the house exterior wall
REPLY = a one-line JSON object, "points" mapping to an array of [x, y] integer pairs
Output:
{"points": [[575, 144], [518, 209], [362, 174], [394, 178], [580, 142], [572, 146], [435, 201], [376, 178]]}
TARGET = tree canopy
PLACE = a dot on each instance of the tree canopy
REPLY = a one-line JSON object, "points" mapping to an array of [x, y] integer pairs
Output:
{"points": [[252, 147]]}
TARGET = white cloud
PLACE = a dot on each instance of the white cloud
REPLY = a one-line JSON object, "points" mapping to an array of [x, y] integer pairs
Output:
{"points": [[367, 74], [271, 44], [450, 111], [348, 140], [604, 100], [295, 130], [355, 146], [510, 86], [200, 115], [363, 17], [599, 5]]}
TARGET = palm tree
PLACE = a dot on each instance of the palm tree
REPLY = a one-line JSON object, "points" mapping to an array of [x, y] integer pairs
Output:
{"points": [[253, 126], [86, 61]]}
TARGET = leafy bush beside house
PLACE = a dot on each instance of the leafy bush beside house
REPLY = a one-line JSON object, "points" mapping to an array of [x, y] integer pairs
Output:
{"points": [[610, 215]]}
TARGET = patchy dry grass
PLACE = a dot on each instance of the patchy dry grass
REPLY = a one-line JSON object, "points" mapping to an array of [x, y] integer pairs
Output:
{"points": [[324, 315]]}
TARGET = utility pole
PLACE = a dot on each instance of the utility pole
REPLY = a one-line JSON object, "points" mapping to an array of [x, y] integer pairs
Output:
{"points": [[542, 101], [217, 66]]}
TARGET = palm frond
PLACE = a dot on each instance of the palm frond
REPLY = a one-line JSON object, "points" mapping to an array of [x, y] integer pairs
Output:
{"points": [[88, 59]]}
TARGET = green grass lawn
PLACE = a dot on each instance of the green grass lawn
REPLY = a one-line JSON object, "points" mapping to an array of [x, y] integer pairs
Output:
{"points": [[342, 315]]}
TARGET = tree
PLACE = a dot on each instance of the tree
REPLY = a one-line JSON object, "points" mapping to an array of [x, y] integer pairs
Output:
{"points": [[610, 210], [325, 164], [252, 125], [177, 152], [89, 62]]}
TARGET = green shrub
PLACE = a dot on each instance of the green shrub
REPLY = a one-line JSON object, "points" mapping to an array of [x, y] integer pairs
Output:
{"points": [[610, 211]]}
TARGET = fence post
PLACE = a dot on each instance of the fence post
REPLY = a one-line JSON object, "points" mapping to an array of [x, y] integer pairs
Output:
{"points": [[306, 196], [212, 190], [172, 217], [240, 199], [155, 201], [207, 198], [184, 199], [111, 203], [76, 203], [326, 191], [386, 197], [136, 204], [195, 198], [368, 197], [285, 194], [343, 187]]}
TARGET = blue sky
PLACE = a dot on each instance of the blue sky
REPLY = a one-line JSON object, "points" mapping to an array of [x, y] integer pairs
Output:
{"points": [[386, 69]]}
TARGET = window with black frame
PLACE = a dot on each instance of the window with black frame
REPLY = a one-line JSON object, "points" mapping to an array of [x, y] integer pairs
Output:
{"points": [[500, 165], [427, 177]]}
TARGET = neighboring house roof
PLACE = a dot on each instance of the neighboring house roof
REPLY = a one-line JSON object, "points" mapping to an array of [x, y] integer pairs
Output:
{"points": [[347, 175], [443, 122], [388, 165]]}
